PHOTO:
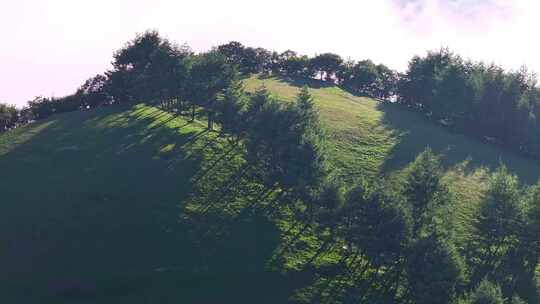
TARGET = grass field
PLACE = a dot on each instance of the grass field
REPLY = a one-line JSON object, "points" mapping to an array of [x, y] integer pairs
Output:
{"points": [[133, 205], [91, 212], [369, 139]]}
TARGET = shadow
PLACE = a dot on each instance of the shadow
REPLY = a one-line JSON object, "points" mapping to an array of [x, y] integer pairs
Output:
{"points": [[90, 213], [415, 133]]}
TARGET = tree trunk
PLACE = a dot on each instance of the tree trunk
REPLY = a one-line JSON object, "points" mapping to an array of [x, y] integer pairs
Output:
{"points": [[193, 112]]}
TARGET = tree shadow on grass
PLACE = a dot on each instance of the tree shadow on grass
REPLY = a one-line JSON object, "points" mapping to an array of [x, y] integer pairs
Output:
{"points": [[414, 134], [90, 209], [98, 220]]}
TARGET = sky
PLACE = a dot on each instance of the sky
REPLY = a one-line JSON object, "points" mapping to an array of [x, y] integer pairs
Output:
{"points": [[51, 47]]}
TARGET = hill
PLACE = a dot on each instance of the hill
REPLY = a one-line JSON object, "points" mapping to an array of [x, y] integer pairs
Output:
{"points": [[369, 139], [91, 205], [126, 204]]}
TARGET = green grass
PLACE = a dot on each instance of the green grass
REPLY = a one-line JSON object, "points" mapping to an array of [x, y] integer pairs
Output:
{"points": [[134, 205], [107, 206], [369, 139]]}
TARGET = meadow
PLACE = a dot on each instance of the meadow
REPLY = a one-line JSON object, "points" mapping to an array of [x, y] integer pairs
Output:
{"points": [[123, 203]]}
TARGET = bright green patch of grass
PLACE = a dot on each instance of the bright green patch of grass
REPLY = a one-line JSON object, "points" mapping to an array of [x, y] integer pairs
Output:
{"points": [[369, 139]]}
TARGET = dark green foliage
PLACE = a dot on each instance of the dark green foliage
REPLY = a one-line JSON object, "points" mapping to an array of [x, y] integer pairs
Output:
{"points": [[532, 230], [246, 59], [517, 300], [231, 108], [9, 116], [424, 189], [93, 92], [210, 75], [366, 78], [505, 246], [330, 202], [435, 270], [296, 66], [486, 293], [148, 68], [233, 51], [481, 100], [41, 107], [326, 65], [498, 224], [284, 142], [377, 223]]}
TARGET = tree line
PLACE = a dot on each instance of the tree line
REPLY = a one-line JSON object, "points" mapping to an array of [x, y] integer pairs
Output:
{"points": [[475, 98], [397, 243]]}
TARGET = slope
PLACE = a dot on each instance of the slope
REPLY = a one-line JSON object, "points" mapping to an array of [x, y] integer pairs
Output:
{"points": [[369, 139], [95, 208], [135, 205]]}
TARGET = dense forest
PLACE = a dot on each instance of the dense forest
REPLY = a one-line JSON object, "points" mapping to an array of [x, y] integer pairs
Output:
{"points": [[398, 244]]}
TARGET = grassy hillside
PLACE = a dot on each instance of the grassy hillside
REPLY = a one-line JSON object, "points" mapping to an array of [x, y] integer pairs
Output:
{"points": [[134, 205], [370, 139], [101, 207]]}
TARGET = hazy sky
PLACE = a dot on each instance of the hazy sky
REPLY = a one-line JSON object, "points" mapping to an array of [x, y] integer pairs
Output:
{"points": [[51, 46]]}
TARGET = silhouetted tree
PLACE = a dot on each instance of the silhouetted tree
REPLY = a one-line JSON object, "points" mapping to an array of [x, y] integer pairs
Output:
{"points": [[435, 269], [93, 92], [41, 107], [284, 142], [9, 115], [326, 65], [424, 188], [498, 228], [233, 52], [377, 226], [231, 108], [210, 75], [486, 293]]}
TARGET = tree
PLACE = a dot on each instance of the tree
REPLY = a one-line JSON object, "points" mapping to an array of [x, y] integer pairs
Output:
{"points": [[424, 189], [149, 68], [8, 117], [376, 225], [498, 228], [435, 270], [132, 62], [210, 75], [297, 66], [420, 83], [532, 231], [233, 52], [41, 107], [93, 92], [264, 60], [230, 109], [67, 103], [284, 142], [387, 82], [486, 293], [327, 65], [307, 167], [328, 208], [364, 78]]}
